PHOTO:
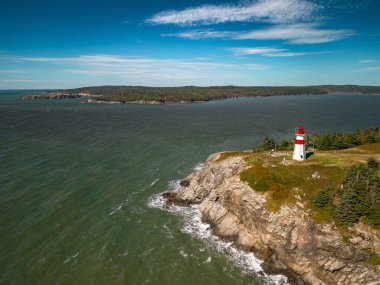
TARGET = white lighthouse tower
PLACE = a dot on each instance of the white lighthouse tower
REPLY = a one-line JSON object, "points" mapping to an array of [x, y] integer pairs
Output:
{"points": [[299, 145]]}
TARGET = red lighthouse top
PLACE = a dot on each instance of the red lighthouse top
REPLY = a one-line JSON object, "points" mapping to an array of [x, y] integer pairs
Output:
{"points": [[300, 130]]}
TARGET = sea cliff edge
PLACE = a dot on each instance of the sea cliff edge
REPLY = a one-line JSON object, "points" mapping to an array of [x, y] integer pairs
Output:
{"points": [[288, 241]]}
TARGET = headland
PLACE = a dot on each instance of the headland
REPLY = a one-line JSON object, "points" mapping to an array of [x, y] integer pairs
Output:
{"points": [[266, 203]]}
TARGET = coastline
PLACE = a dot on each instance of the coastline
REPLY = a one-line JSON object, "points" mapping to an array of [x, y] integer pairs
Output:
{"points": [[197, 227], [289, 242], [93, 98], [153, 102], [194, 94]]}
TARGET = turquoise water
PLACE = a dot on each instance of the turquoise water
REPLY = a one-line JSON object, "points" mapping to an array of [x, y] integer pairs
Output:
{"points": [[77, 181]]}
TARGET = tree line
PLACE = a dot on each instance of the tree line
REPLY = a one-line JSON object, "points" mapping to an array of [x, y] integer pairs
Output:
{"points": [[330, 141], [358, 199], [193, 93]]}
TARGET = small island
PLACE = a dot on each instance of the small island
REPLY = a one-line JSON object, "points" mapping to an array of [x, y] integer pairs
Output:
{"points": [[315, 221], [192, 94]]}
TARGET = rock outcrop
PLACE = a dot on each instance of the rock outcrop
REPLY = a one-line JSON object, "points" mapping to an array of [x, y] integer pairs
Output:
{"points": [[288, 241]]}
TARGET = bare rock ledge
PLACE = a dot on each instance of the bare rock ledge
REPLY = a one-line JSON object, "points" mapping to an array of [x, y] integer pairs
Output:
{"points": [[288, 241]]}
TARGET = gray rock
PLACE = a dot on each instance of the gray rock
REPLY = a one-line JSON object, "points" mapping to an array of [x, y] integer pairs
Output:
{"points": [[288, 241]]}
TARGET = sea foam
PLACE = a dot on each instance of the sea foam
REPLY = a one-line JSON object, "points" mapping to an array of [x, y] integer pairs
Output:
{"points": [[194, 226]]}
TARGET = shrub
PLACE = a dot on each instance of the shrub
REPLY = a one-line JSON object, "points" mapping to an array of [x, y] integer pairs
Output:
{"points": [[321, 199], [285, 145], [372, 163], [267, 144]]}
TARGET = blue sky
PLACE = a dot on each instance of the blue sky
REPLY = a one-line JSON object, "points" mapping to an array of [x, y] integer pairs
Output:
{"points": [[64, 44]]}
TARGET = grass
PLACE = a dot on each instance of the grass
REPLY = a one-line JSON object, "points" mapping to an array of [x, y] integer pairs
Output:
{"points": [[346, 239], [228, 154], [292, 182], [374, 259], [374, 147]]}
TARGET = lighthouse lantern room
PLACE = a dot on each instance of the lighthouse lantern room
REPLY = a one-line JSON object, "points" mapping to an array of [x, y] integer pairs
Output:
{"points": [[299, 145]]}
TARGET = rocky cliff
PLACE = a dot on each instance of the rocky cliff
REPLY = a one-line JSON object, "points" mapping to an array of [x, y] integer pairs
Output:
{"points": [[288, 241]]}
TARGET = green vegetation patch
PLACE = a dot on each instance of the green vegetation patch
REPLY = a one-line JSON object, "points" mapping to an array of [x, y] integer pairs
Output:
{"points": [[228, 154], [346, 239], [342, 186], [259, 178], [375, 147], [321, 199], [374, 259]]}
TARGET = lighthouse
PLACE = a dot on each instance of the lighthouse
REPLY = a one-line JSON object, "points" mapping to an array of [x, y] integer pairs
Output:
{"points": [[299, 145]]}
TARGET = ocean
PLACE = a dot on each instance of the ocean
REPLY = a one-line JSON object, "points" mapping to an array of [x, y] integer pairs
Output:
{"points": [[79, 184]]}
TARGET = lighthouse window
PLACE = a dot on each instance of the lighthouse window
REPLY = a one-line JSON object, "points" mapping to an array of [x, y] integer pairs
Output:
{"points": [[301, 156]]}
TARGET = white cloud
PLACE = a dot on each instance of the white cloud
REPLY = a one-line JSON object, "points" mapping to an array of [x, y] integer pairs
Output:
{"points": [[297, 34], [138, 68], [256, 50], [272, 52], [203, 34], [294, 33], [270, 11], [367, 61], [369, 69], [113, 61], [286, 54], [289, 54]]}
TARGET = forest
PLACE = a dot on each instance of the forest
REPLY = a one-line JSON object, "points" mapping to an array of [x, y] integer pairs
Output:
{"points": [[163, 95]]}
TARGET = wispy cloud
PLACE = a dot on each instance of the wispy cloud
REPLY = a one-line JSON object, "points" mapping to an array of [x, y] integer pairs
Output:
{"points": [[369, 69], [290, 54], [103, 60], [203, 34], [367, 61], [272, 52], [256, 50], [141, 67], [293, 33], [12, 71], [270, 11], [297, 34], [20, 80]]}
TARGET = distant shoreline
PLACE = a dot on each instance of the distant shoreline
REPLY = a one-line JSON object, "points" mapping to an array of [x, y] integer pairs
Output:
{"points": [[191, 94]]}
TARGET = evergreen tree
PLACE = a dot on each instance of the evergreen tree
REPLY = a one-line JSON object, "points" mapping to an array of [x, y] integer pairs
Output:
{"points": [[285, 144], [361, 195], [346, 211], [321, 199], [268, 143]]}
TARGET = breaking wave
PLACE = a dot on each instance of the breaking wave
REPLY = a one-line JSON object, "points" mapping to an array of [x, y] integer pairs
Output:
{"points": [[196, 227], [198, 166]]}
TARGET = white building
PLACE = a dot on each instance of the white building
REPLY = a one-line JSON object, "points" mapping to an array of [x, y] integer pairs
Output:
{"points": [[299, 145]]}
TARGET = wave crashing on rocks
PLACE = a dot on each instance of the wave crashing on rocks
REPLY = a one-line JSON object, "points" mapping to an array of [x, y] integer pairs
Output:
{"points": [[195, 226]]}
